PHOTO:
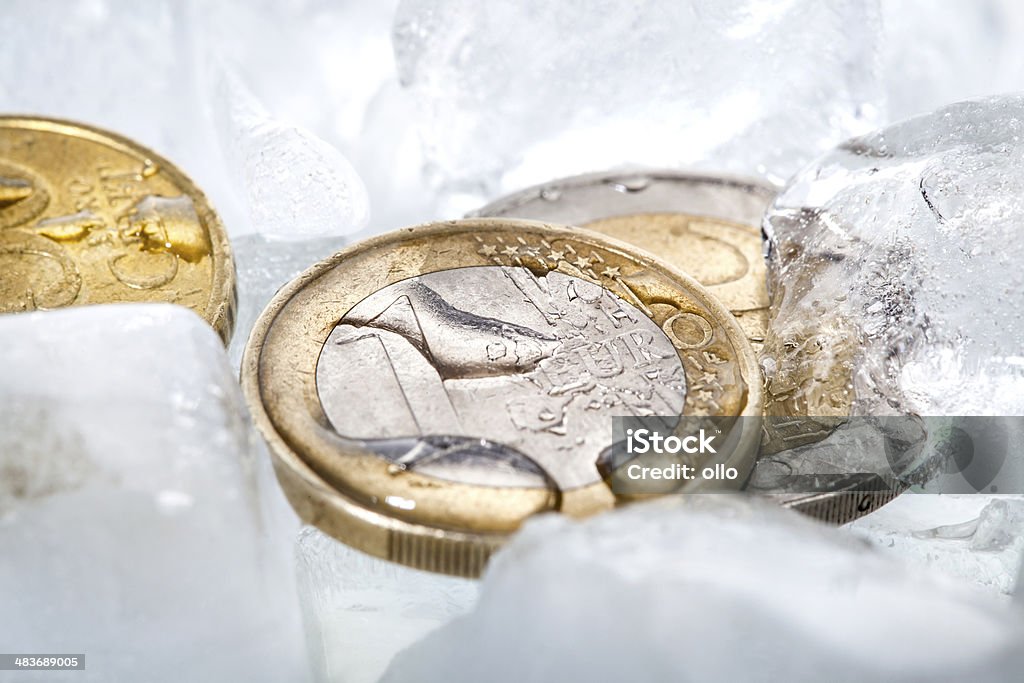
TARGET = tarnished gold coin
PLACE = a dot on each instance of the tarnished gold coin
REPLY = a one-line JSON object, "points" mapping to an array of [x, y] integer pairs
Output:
{"points": [[427, 390], [87, 217], [708, 226]]}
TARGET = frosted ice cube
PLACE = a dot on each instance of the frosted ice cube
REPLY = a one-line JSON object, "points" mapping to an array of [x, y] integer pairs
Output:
{"points": [[296, 185], [133, 512], [712, 588], [895, 270], [518, 93], [977, 539], [359, 610]]}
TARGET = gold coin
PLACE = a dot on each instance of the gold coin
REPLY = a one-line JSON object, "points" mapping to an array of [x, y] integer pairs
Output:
{"points": [[87, 217], [725, 257], [426, 391]]}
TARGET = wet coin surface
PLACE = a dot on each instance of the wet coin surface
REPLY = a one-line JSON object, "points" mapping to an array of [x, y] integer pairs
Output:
{"points": [[89, 217], [709, 226], [427, 390]]}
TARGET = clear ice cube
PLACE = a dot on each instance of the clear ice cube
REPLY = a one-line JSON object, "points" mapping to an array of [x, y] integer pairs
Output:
{"points": [[895, 269], [139, 525]]}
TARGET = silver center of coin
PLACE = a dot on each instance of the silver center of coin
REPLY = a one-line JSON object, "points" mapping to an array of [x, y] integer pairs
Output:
{"points": [[493, 375]]}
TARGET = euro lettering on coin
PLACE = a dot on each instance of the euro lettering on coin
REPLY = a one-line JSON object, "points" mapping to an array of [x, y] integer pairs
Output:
{"points": [[88, 217], [426, 391]]}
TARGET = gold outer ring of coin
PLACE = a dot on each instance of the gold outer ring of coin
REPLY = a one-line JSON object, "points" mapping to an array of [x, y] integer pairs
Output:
{"points": [[459, 525], [707, 225], [97, 218]]}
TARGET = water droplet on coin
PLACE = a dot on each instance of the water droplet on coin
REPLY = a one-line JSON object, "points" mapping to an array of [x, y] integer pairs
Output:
{"points": [[631, 184]]}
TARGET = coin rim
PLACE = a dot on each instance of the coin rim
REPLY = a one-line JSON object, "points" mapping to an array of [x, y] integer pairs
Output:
{"points": [[454, 552], [221, 307], [501, 206]]}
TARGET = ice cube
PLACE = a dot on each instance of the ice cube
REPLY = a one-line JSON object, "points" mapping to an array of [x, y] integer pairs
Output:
{"points": [[389, 158], [137, 523], [118, 65], [123, 66], [940, 51], [895, 270], [329, 69], [712, 588], [978, 539], [157, 74], [519, 93], [296, 185], [313, 64], [359, 610], [263, 266]]}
